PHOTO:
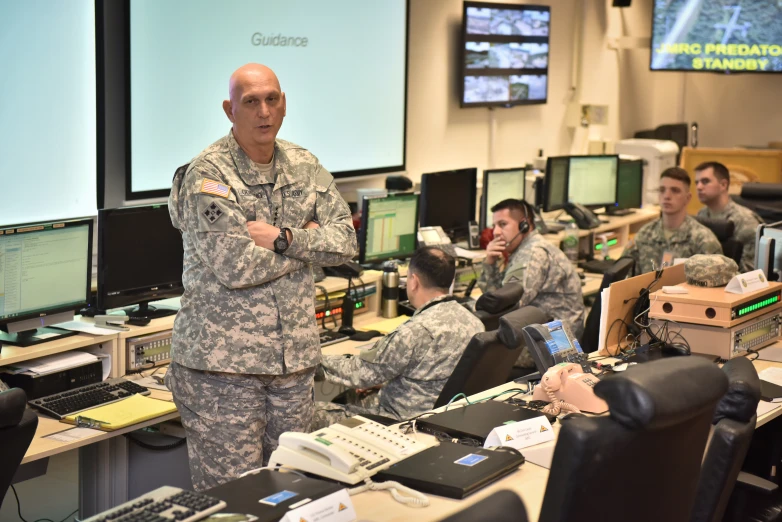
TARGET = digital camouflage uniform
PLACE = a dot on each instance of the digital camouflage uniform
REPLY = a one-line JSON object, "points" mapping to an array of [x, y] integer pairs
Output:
{"points": [[245, 340], [415, 361], [746, 224], [649, 244], [550, 283]]}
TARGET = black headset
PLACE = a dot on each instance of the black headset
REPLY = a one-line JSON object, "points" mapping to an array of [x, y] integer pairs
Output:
{"points": [[524, 225]]}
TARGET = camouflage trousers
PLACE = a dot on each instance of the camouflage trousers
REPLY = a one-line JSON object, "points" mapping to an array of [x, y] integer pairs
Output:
{"points": [[328, 413], [233, 420]]}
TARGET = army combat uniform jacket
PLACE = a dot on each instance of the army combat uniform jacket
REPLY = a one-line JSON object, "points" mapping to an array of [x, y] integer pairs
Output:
{"points": [[649, 245], [746, 224], [246, 309], [549, 279], [415, 360]]}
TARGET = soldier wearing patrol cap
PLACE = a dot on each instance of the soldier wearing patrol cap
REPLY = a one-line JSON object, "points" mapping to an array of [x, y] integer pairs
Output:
{"points": [[255, 213], [675, 234]]}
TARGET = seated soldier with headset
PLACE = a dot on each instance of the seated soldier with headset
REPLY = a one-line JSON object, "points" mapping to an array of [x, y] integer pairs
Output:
{"points": [[416, 359], [549, 279]]}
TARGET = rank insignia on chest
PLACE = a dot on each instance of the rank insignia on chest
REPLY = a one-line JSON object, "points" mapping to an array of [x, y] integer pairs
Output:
{"points": [[210, 186], [213, 212], [292, 193]]}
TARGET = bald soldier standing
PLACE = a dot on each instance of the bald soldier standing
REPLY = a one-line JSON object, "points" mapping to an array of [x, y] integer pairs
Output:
{"points": [[255, 212]]}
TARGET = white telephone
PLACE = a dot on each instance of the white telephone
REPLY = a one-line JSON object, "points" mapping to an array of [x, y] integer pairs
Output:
{"points": [[349, 451]]}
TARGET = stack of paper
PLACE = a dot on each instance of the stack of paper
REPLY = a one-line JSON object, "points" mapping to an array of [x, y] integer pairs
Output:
{"points": [[52, 363]]}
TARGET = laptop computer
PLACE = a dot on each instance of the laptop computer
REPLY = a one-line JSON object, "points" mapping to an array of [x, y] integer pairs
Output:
{"points": [[453, 470], [270, 494], [475, 421]]}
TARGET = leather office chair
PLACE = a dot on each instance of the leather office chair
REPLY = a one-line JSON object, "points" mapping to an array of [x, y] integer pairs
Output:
{"points": [[765, 199], [724, 230], [488, 359], [734, 425], [17, 428], [502, 506], [618, 272], [660, 415], [492, 305]]}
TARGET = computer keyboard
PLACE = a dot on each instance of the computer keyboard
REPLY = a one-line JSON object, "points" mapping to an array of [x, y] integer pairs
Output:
{"points": [[164, 504], [63, 404], [328, 337]]}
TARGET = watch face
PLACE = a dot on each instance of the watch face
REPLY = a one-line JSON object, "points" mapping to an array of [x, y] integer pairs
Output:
{"points": [[280, 244]]}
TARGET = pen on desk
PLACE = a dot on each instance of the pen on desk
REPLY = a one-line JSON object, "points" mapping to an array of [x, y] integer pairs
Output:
{"points": [[119, 327]]}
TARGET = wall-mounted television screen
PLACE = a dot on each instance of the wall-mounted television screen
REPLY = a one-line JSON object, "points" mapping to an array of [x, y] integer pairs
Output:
{"points": [[717, 36], [505, 54]]}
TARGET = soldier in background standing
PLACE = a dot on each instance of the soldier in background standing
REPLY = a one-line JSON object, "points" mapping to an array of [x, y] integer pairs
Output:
{"points": [[712, 181], [255, 212], [416, 360]]}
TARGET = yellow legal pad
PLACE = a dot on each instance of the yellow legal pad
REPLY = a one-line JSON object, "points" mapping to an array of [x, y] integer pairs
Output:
{"points": [[386, 326], [117, 415]]}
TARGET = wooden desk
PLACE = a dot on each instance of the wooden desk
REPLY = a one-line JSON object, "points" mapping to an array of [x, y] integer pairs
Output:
{"points": [[103, 343], [624, 226]]}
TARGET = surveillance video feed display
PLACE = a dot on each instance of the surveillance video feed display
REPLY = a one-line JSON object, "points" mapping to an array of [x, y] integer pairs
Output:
{"points": [[505, 56], [717, 35]]}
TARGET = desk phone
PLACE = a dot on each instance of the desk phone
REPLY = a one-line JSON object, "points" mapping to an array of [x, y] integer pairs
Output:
{"points": [[553, 343], [349, 451]]}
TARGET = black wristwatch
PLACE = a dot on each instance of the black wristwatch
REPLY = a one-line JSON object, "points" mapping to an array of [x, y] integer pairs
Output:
{"points": [[281, 243]]}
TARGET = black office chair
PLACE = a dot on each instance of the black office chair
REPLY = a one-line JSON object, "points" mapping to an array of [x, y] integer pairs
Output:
{"points": [[494, 304], [621, 269], [17, 428], [488, 359], [765, 199], [502, 506], [734, 425], [724, 231], [660, 415]]}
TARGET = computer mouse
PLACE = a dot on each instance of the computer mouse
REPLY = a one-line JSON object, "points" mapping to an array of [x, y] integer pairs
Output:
{"points": [[675, 349]]}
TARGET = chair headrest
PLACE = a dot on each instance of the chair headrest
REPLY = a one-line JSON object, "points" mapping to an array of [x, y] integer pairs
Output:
{"points": [[740, 402], [12, 405], [511, 324], [500, 299], [722, 228], [663, 393], [761, 190]]}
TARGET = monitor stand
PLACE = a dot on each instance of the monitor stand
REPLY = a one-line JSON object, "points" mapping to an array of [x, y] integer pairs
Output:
{"points": [[32, 337], [144, 310], [618, 212]]}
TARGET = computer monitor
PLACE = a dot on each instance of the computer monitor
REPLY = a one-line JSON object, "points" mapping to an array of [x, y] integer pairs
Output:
{"points": [[448, 201], [498, 185], [629, 187], [592, 180], [389, 225], [139, 260], [45, 275], [556, 183], [768, 250]]}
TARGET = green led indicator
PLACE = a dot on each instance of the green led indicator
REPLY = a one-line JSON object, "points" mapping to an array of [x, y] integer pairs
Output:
{"points": [[599, 247], [612, 242]]}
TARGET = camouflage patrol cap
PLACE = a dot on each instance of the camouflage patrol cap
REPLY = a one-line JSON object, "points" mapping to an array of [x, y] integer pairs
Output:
{"points": [[710, 270]]}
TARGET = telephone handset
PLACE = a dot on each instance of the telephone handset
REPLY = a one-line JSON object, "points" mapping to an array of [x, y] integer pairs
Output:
{"points": [[553, 343], [349, 451], [585, 218], [567, 388]]}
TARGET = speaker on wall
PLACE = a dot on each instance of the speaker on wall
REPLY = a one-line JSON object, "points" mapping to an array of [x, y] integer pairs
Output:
{"points": [[622, 3]]}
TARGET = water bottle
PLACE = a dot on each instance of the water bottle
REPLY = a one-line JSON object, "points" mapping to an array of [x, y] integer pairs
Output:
{"points": [[390, 295], [570, 242]]}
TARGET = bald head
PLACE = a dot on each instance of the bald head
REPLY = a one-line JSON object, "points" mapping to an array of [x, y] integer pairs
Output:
{"points": [[247, 75], [256, 108]]}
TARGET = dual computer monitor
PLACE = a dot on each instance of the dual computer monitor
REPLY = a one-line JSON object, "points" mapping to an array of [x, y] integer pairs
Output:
{"points": [[593, 181], [46, 269]]}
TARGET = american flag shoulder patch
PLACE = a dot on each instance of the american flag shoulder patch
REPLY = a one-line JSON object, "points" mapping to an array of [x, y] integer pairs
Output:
{"points": [[210, 186]]}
